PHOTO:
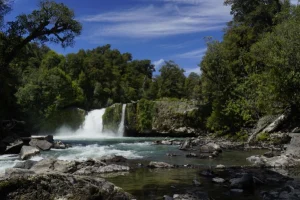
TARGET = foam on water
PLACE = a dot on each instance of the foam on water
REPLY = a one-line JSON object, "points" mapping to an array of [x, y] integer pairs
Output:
{"points": [[92, 128], [93, 151], [8, 161]]}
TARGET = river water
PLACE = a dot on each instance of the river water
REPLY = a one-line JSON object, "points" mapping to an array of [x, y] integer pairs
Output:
{"points": [[142, 182], [90, 142]]}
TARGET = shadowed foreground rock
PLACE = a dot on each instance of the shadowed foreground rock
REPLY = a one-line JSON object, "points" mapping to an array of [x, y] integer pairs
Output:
{"points": [[59, 186]]}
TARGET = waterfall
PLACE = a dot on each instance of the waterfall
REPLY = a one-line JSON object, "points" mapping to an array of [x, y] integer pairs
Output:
{"points": [[122, 123], [93, 123]]}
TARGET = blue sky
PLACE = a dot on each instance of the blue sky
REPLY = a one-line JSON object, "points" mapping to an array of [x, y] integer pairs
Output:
{"points": [[149, 29]]}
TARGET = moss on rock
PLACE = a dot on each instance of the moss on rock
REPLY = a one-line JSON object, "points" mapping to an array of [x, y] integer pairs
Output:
{"points": [[112, 118]]}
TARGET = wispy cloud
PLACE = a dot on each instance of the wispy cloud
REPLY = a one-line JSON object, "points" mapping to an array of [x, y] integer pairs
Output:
{"points": [[175, 45], [198, 53], [174, 17], [158, 64]]}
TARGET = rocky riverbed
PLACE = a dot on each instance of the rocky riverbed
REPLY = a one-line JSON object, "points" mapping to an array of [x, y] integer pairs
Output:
{"points": [[94, 178]]}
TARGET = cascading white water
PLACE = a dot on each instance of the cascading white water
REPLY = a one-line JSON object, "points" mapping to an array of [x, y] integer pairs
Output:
{"points": [[93, 122], [122, 123], [92, 127]]}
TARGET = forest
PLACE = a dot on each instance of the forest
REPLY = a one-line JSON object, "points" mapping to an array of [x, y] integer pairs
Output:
{"points": [[252, 72]]}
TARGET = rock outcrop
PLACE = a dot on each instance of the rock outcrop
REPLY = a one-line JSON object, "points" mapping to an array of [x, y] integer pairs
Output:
{"points": [[152, 118], [43, 145], [28, 151], [26, 184]]}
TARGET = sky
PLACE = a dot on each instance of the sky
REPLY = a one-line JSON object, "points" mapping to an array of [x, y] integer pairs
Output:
{"points": [[159, 30]]}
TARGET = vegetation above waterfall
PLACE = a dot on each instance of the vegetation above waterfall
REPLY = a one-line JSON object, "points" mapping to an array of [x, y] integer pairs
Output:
{"points": [[254, 71]]}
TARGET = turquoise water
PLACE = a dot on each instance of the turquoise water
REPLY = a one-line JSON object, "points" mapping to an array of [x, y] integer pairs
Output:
{"points": [[131, 148], [144, 183]]}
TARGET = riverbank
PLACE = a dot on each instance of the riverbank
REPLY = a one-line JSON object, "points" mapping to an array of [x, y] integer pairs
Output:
{"points": [[179, 173]]}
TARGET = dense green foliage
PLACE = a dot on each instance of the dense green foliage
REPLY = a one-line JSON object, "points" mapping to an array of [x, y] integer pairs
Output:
{"points": [[252, 72]]}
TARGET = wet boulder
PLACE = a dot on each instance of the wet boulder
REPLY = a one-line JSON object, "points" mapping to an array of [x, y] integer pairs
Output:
{"points": [[186, 145], [210, 148], [13, 144], [27, 164], [43, 145], [59, 145], [218, 180], [246, 182], [28, 151], [191, 155], [159, 165], [17, 173], [60, 186]]}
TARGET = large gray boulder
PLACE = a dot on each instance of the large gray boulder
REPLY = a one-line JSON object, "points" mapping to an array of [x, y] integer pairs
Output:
{"points": [[43, 145], [27, 164], [17, 173], [186, 145], [294, 147], [210, 148], [13, 144], [28, 151], [59, 186], [53, 165]]}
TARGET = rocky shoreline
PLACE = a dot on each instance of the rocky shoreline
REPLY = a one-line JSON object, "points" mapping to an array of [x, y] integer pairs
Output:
{"points": [[82, 179]]}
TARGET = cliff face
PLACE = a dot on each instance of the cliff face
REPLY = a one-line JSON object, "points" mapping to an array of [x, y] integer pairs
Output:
{"points": [[156, 118], [112, 118]]}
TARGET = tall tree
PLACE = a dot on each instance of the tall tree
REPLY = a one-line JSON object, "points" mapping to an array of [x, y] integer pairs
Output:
{"points": [[52, 22]]}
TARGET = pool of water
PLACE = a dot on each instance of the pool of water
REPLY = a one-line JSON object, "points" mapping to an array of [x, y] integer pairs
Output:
{"points": [[155, 183], [131, 148], [146, 183]]}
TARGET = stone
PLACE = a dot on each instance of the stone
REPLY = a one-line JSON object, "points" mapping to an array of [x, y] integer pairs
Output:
{"points": [[193, 196], [220, 167], [166, 142], [210, 148], [28, 151], [294, 148], [257, 160], [59, 145], [159, 165], [60, 186], [218, 180], [166, 197], [276, 123], [191, 155], [245, 182], [14, 147], [186, 145], [27, 164], [215, 154], [43, 145], [17, 173], [49, 165]]}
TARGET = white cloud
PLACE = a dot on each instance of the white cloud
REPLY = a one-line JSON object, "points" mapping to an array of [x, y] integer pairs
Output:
{"points": [[190, 70], [158, 64], [198, 53], [174, 17]]}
